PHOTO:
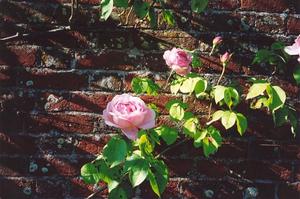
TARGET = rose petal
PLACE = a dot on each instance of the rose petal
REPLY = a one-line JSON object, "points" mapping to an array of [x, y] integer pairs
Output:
{"points": [[150, 121], [292, 50], [131, 133]]}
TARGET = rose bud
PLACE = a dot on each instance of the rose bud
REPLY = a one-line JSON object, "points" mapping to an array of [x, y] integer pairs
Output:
{"points": [[225, 58], [178, 60]]}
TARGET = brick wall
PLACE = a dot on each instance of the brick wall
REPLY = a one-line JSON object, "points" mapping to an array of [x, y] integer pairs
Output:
{"points": [[54, 87]]}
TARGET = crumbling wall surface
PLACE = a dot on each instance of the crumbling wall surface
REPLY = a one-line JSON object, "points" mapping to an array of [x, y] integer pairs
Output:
{"points": [[55, 85]]}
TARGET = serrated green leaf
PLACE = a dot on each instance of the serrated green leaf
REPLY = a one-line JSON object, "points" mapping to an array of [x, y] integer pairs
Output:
{"points": [[198, 5], [294, 122], [228, 119], [262, 56], [145, 145], [212, 141], [141, 8], [241, 122], [216, 116], [117, 193], [106, 8], [115, 151], [257, 89]]}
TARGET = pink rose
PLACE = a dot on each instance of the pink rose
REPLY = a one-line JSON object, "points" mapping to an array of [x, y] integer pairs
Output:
{"points": [[294, 49], [178, 60], [129, 114]]}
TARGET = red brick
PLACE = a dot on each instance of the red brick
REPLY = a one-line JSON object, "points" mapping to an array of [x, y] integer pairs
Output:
{"points": [[267, 5], [224, 4], [18, 56], [80, 189], [13, 188], [290, 151], [11, 122], [37, 78], [293, 24], [41, 123], [289, 191], [17, 144]]}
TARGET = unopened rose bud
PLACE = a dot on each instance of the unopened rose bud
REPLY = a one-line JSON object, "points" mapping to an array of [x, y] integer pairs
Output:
{"points": [[225, 58], [217, 40]]}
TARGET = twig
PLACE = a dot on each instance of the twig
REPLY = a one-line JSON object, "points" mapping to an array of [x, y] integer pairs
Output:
{"points": [[73, 10], [166, 84], [218, 82], [127, 17], [171, 147], [96, 192], [19, 35]]}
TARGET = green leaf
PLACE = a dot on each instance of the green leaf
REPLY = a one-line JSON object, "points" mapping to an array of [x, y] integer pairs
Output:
{"points": [[145, 145], [176, 109], [200, 87], [169, 135], [168, 17], [117, 193], [152, 18], [141, 8], [219, 93], [280, 116], [241, 122], [216, 116], [200, 135], [144, 85], [228, 119], [176, 84], [296, 74], [198, 5], [196, 62], [277, 97], [294, 122], [190, 127], [121, 3], [109, 175], [160, 171], [277, 45], [106, 8], [138, 172], [263, 101], [87, 172], [115, 151], [257, 89], [231, 97], [212, 142], [153, 183], [261, 56]]}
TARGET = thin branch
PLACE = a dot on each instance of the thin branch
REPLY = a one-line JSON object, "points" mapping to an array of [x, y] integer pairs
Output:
{"points": [[73, 10], [23, 35], [171, 147], [96, 192]]}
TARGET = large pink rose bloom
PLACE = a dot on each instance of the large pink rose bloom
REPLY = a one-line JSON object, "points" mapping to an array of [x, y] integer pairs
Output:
{"points": [[129, 114], [294, 49], [178, 60]]}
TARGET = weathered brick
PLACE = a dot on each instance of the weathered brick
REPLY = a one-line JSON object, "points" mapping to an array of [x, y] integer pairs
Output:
{"points": [[106, 82], [42, 78], [293, 24], [41, 122], [18, 56], [17, 188], [267, 5]]}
